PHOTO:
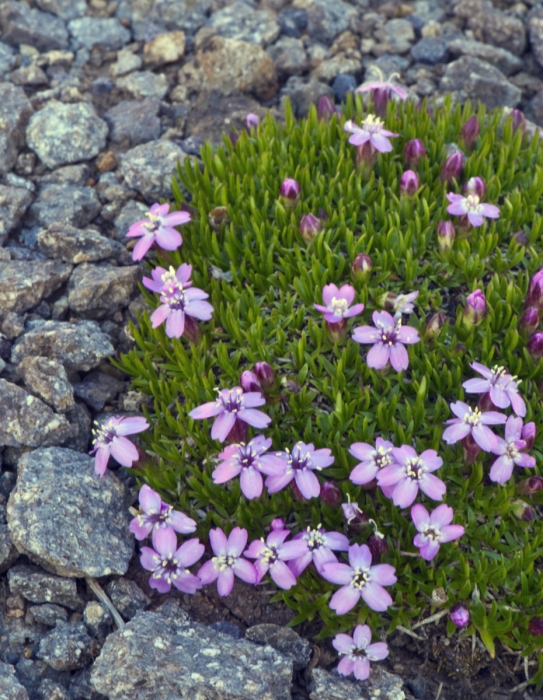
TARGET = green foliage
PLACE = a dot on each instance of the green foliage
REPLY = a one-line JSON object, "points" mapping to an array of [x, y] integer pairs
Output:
{"points": [[263, 281]]}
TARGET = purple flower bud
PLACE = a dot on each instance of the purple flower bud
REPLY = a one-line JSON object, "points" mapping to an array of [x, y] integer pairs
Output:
{"points": [[331, 495], [475, 309], [475, 186], [529, 321], [529, 486], [535, 345], [357, 521], [452, 167], [528, 434], [519, 120], [409, 183], [278, 524], [521, 239], [337, 331], [325, 108], [386, 300], [290, 190], [522, 511], [361, 267], [366, 155], [381, 97], [413, 153], [535, 292], [485, 403], [378, 547], [252, 120], [535, 627], [445, 236], [434, 325], [310, 226], [470, 132], [470, 449], [265, 374], [249, 382], [460, 614]]}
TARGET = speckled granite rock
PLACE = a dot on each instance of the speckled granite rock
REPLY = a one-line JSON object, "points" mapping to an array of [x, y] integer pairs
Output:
{"points": [[473, 79], [99, 31], [67, 647], [73, 245], [23, 25], [98, 290], [10, 688], [242, 22], [65, 9], [47, 379], [503, 60], [143, 83], [164, 48], [381, 685], [134, 121], [127, 597], [15, 111], [49, 613], [8, 552], [68, 204], [92, 537], [38, 586], [24, 284], [148, 168], [285, 640], [14, 202]]}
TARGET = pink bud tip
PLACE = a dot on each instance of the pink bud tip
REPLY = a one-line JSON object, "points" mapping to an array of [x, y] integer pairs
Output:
{"points": [[460, 614]]}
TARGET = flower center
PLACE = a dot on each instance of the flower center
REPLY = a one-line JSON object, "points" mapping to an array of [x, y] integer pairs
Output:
{"points": [[473, 417], [152, 517], [372, 124], [173, 296], [166, 568], [381, 457], [314, 539], [154, 222], [472, 203], [360, 578], [233, 402], [339, 306], [298, 461], [387, 333], [415, 468], [246, 457], [269, 555], [225, 561], [432, 533], [105, 433]]}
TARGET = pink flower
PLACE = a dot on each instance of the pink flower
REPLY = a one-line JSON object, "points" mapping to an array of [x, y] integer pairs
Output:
{"points": [[359, 579], [373, 459], [387, 85], [372, 130], [227, 561], [411, 472], [510, 451], [169, 563], [158, 228], [157, 514], [357, 652], [299, 465], [501, 386], [252, 120], [109, 439], [472, 207], [272, 554], [232, 405], [338, 302], [319, 549], [388, 338], [474, 422], [434, 529]]}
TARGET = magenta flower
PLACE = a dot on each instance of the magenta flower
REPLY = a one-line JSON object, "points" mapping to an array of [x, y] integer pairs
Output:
{"points": [[272, 554], [227, 561], [510, 451], [372, 130], [475, 422], [411, 472], [299, 465], [252, 120], [158, 228], [232, 405], [338, 302], [459, 614], [373, 459], [359, 579], [169, 563], [501, 386], [250, 462], [109, 439], [434, 529], [319, 549], [471, 207], [357, 652], [162, 278], [157, 514], [290, 189], [388, 338], [475, 309]]}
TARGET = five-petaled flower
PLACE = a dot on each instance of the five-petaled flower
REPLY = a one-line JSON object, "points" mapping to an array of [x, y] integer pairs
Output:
{"points": [[232, 405], [472, 421], [359, 579], [157, 228], [319, 548], [271, 555], [157, 514], [411, 472], [357, 652], [227, 561], [388, 337], [338, 303], [250, 462], [472, 207], [169, 563], [109, 439], [510, 451], [373, 459], [299, 465], [434, 529], [372, 130], [502, 387]]}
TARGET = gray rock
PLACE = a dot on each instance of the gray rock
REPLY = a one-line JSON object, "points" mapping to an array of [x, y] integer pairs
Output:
{"points": [[48, 380], [14, 202], [303, 94], [79, 346], [97, 619], [151, 17], [381, 684], [38, 586], [24, 284], [67, 204], [342, 85], [97, 389], [126, 62], [144, 83], [13, 325], [22, 25], [33, 673], [67, 647], [67, 175], [74, 245], [397, 34], [505, 31], [473, 79], [240, 21], [325, 20], [28, 422], [127, 597], [293, 22], [503, 60], [134, 122], [8, 552], [80, 423], [80, 686], [99, 290], [88, 538], [289, 56], [431, 50], [49, 690], [66, 133], [534, 109], [215, 665], [535, 26], [48, 614], [88, 32], [8, 58], [131, 212], [65, 9], [10, 688], [148, 168], [285, 640], [15, 111]]}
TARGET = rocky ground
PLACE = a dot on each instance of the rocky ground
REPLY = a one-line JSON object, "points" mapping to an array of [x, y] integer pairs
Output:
{"points": [[98, 101]]}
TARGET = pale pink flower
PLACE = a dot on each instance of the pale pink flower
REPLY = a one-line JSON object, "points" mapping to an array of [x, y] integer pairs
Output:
{"points": [[109, 439], [472, 207], [434, 529], [372, 130], [157, 228], [357, 652], [338, 303]]}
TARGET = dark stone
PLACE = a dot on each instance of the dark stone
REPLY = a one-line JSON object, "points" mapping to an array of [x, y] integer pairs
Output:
{"points": [[47, 614], [293, 22], [23, 25], [67, 647], [97, 389], [88, 32], [285, 640], [24, 284], [39, 586], [15, 111], [430, 50], [534, 109], [97, 290], [343, 84], [75, 206], [127, 597], [134, 122]]}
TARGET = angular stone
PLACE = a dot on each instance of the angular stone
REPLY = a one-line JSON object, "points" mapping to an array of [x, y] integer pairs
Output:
{"points": [[131, 212], [8, 552], [67, 647], [151, 17], [88, 538], [22, 25], [74, 245], [144, 83], [48, 614], [8, 58], [14, 202], [126, 62], [97, 619], [325, 20], [10, 688], [503, 60], [65, 9], [397, 34], [97, 389], [127, 597], [302, 94], [28, 422], [211, 113], [53, 691], [285, 640], [430, 50], [505, 31], [535, 25], [49, 381], [67, 204], [534, 109], [15, 111], [99, 290], [473, 79], [66, 133], [163, 49], [134, 121], [381, 684], [241, 22], [79, 346], [148, 168], [38, 586], [23, 284], [108, 32], [289, 56], [332, 67]]}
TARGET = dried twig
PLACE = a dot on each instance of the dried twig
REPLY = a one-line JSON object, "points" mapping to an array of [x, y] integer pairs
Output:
{"points": [[439, 691], [433, 618], [411, 634], [98, 591]]}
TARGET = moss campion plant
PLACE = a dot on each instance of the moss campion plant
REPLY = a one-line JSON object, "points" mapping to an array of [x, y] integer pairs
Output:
{"points": [[354, 412]]}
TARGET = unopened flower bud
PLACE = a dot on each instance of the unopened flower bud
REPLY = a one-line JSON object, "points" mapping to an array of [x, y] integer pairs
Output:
{"points": [[337, 331], [413, 153], [529, 486], [366, 155], [357, 521], [310, 226], [459, 614], [386, 300], [452, 167], [528, 434], [290, 191], [361, 267], [325, 108], [470, 449], [434, 325], [265, 374], [378, 547], [278, 524], [519, 121], [529, 321], [535, 627], [475, 186], [535, 291], [249, 381], [252, 120], [381, 97], [485, 402], [331, 494], [535, 346], [522, 511], [475, 309], [445, 236], [409, 183], [470, 132]]}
